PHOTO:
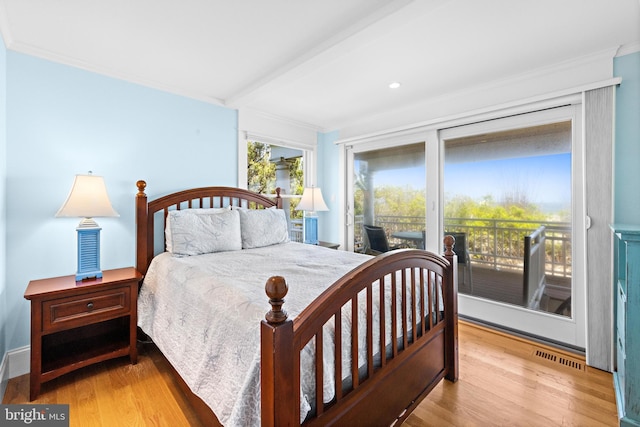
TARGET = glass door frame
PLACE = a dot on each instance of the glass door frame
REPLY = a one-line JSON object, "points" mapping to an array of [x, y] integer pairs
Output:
{"points": [[430, 139], [571, 331], [566, 330]]}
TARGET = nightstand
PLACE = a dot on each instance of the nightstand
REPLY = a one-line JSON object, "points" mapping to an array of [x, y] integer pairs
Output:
{"points": [[75, 324], [329, 245]]}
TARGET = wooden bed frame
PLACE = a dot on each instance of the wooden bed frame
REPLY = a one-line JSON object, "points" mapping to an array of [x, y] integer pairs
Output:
{"points": [[393, 382]]}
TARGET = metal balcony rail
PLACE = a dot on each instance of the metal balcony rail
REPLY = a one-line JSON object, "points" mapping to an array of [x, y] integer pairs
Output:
{"points": [[493, 243]]}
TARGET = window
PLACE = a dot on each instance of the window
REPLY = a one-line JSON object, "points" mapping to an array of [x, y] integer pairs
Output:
{"points": [[506, 192], [271, 166], [389, 192]]}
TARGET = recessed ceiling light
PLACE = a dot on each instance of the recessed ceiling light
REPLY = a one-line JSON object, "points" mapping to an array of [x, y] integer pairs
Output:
{"points": [[394, 85]]}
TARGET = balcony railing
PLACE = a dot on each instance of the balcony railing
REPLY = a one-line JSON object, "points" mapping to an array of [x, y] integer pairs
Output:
{"points": [[295, 230], [494, 243]]}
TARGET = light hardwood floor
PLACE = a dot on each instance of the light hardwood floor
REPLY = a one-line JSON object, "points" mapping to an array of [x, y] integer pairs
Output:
{"points": [[504, 381]]}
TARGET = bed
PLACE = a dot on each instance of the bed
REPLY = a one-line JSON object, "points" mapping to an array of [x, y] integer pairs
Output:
{"points": [[272, 332]]}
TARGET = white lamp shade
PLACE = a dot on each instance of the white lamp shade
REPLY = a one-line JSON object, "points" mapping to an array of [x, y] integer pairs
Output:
{"points": [[312, 200], [88, 198]]}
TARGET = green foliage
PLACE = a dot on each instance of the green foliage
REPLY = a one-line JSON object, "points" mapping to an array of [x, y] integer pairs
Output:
{"points": [[402, 201], [261, 173], [487, 208]]}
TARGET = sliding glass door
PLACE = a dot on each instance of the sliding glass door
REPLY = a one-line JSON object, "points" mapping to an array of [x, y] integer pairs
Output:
{"points": [[512, 198], [388, 196], [511, 191]]}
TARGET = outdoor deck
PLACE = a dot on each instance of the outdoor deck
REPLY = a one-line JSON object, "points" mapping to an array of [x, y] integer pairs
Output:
{"points": [[496, 262], [506, 286]]}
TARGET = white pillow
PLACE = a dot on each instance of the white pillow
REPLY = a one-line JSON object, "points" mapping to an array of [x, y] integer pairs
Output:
{"points": [[195, 234], [263, 227], [167, 228]]}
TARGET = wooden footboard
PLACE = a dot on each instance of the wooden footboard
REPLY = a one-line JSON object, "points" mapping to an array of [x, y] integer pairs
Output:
{"points": [[416, 347]]}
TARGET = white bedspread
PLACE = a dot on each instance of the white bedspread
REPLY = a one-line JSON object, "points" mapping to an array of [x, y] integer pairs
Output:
{"points": [[203, 312]]}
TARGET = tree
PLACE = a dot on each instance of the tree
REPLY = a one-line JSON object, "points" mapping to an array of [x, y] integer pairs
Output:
{"points": [[261, 173]]}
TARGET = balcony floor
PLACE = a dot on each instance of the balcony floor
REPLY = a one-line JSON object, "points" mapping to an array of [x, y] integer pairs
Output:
{"points": [[507, 286]]}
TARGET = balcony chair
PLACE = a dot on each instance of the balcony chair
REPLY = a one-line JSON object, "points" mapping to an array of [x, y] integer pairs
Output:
{"points": [[461, 248], [377, 242]]}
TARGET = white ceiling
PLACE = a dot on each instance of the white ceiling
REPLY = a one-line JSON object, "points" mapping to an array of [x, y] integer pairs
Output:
{"points": [[326, 63]]}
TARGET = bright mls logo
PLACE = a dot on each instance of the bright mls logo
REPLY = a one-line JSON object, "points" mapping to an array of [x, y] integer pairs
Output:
{"points": [[34, 415]]}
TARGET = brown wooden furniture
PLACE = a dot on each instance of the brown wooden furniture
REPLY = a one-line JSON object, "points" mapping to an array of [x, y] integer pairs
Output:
{"points": [[393, 381], [75, 324]]}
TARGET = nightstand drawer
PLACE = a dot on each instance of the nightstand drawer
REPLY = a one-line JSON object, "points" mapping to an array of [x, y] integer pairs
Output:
{"points": [[80, 310]]}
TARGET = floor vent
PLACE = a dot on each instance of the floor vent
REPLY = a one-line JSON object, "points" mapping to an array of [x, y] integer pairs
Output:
{"points": [[560, 359]]}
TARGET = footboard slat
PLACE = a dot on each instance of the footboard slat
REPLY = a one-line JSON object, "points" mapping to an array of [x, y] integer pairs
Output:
{"points": [[370, 351], [319, 373], [414, 321], [406, 297], [394, 320], [383, 323], [355, 377], [338, 353], [424, 311], [430, 297], [405, 329]]}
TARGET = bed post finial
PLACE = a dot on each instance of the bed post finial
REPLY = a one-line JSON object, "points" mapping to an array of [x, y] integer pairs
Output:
{"points": [[276, 289], [449, 243], [141, 186]]}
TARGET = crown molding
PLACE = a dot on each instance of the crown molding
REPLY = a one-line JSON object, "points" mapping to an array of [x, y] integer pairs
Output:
{"points": [[628, 48]]}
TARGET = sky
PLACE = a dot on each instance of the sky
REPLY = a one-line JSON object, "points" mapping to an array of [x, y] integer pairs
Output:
{"points": [[544, 179]]}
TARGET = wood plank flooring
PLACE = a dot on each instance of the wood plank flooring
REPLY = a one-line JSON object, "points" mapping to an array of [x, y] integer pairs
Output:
{"points": [[507, 381], [502, 383]]}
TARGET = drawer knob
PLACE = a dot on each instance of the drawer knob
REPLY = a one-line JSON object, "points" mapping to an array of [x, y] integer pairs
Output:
{"points": [[90, 306]]}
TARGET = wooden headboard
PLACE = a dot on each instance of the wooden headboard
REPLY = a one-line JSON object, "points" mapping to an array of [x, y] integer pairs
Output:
{"points": [[147, 213]]}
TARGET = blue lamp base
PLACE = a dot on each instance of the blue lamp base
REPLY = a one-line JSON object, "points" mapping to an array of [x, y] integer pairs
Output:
{"points": [[311, 230], [88, 251]]}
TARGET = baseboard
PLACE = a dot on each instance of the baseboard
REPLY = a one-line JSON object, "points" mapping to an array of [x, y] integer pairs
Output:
{"points": [[15, 362]]}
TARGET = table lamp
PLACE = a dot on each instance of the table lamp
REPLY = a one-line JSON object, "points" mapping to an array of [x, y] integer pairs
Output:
{"points": [[88, 199], [311, 203]]}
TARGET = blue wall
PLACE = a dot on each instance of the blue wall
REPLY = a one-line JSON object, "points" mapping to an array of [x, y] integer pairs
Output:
{"points": [[3, 173], [627, 137], [63, 121], [329, 181]]}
